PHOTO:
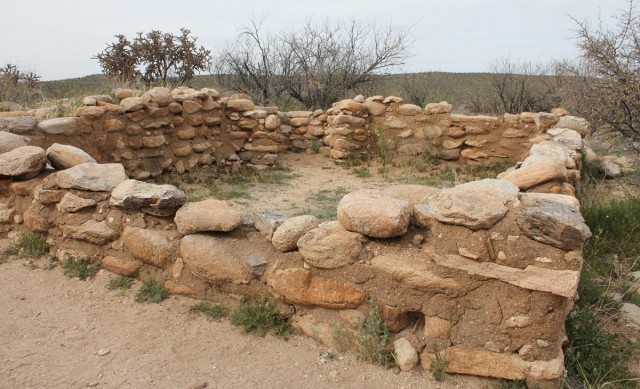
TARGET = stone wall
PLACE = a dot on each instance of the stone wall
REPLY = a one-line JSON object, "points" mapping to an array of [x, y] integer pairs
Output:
{"points": [[162, 130], [483, 273]]}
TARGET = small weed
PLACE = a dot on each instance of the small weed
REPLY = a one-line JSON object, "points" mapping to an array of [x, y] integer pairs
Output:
{"points": [[438, 367], [373, 339], [506, 384], [342, 337], [216, 312], [79, 267], [325, 203], [121, 283], [28, 245], [362, 172], [314, 145], [151, 291], [260, 316]]}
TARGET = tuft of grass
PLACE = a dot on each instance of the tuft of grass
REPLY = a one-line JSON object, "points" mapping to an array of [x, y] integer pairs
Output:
{"points": [[438, 367], [122, 283], [325, 203], [79, 267], [373, 339], [28, 245], [362, 172], [151, 291], [506, 384], [216, 312], [261, 316], [342, 337], [314, 145]]}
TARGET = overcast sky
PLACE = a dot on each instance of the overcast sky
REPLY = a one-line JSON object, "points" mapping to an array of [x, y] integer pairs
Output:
{"points": [[58, 38]]}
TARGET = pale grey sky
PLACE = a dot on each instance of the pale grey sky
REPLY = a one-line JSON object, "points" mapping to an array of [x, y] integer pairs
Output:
{"points": [[58, 38]]}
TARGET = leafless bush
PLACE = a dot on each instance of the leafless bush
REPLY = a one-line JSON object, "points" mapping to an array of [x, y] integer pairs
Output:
{"points": [[19, 86], [315, 65], [154, 58], [604, 84]]}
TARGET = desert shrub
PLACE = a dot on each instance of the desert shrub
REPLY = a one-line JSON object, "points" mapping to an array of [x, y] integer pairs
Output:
{"points": [[19, 86], [261, 316], [79, 267], [152, 291], [438, 367], [28, 245], [216, 312], [122, 283], [373, 339]]}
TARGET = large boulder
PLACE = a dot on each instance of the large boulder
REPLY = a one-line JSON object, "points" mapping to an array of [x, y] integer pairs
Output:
{"points": [[553, 222], [67, 156], [330, 246], [9, 141], [374, 213], [286, 237], [23, 163], [207, 215], [476, 205], [152, 247], [56, 126], [92, 177], [299, 286], [157, 200], [216, 259]]}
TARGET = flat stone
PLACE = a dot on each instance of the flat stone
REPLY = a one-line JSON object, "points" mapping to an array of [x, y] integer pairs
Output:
{"points": [[330, 246], [9, 141], [215, 259], [268, 222], [408, 110], [67, 156], [559, 282], [92, 176], [240, 105], [414, 273], [152, 247], [552, 222], [90, 231], [157, 200], [17, 124], [131, 104], [57, 126], [374, 213], [299, 286], [23, 162], [72, 203], [532, 174], [286, 236], [207, 215], [122, 266]]}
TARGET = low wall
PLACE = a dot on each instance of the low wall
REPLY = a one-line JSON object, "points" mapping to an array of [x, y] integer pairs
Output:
{"points": [[483, 273]]}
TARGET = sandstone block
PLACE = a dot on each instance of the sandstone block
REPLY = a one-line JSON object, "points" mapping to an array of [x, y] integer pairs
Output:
{"points": [[152, 247], [157, 200], [374, 213], [207, 215], [66, 126], [72, 203], [286, 236], [23, 162], [405, 355], [214, 259], [92, 176], [330, 246], [18, 124], [9, 141], [66, 156], [122, 266], [90, 231]]}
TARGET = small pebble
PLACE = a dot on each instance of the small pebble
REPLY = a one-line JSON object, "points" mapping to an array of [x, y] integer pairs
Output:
{"points": [[103, 351]]}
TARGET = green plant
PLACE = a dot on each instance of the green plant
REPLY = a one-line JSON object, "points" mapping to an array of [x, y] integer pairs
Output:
{"points": [[261, 316], [79, 267], [28, 245], [314, 145], [151, 291], [216, 312], [438, 366], [373, 339], [343, 339], [121, 283]]}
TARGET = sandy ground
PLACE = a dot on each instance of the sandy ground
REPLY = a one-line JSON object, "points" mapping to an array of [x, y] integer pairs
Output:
{"points": [[54, 330]]}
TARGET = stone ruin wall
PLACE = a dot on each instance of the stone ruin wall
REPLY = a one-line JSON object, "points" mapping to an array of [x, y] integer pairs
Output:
{"points": [[484, 272]]}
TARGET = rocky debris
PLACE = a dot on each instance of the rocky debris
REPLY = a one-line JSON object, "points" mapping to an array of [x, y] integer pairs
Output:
{"points": [[23, 162], [499, 365], [17, 124], [374, 213], [152, 247], [152, 199], [90, 231], [580, 125], [406, 357], [9, 141], [552, 222], [92, 177], [559, 282], [286, 237], [72, 203], [215, 259], [414, 272], [207, 215], [57, 126], [66, 156], [476, 205], [610, 169], [299, 286], [268, 222], [330, 246], [122, 266]]}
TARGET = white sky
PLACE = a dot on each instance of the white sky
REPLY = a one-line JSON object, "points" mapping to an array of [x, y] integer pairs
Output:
{"points": [[58, 38]]}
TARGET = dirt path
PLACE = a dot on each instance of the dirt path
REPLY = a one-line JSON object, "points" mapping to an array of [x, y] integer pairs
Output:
{"points": [[54, 328]]}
